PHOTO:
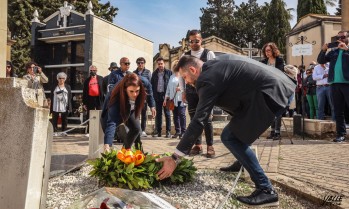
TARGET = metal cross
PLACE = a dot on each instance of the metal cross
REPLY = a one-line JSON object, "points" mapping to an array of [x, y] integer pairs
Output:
{"points": [[249, 49]]}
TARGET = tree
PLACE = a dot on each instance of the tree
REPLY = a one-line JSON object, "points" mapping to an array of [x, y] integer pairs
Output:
{"points": [[20, 14], [305, 7], [236, 24], [339, 8], [249, 21], [277, 24], [216, 19]]}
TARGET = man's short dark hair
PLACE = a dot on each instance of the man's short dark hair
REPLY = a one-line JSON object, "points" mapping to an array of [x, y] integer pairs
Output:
{"points": [[159, 59], [140, 59], [185, 62], [194, 32]]}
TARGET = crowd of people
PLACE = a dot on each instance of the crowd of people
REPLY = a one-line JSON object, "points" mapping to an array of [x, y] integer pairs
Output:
{"points": [[256, 94]]}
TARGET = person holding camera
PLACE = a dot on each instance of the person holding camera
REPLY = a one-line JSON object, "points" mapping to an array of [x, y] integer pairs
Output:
{"points": [[36, 79], [338, 77], [61, 102]]}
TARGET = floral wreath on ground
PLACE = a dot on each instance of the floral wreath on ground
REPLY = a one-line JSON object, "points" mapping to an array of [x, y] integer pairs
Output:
{"points": [[136, 171]]}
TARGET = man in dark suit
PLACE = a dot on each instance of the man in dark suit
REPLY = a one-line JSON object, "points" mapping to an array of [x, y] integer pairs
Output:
{"points": [[252, 94], [159, 82]]}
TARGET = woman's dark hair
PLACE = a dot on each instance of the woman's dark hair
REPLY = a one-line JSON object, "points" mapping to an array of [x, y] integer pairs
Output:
{"points": [[274, 49], [12, 72], [29, 64], [119, 91]]}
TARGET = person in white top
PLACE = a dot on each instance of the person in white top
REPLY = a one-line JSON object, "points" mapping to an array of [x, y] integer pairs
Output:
{"points": [[192, 98], [174, 91], [61, 102], [323, 91]]}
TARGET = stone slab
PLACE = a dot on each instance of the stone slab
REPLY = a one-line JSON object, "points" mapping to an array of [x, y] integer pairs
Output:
{"points": [[23, 148]]}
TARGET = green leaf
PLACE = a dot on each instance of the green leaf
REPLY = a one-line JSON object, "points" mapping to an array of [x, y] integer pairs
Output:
{"points": [[151, 167], [130, 167], [129, 185]]}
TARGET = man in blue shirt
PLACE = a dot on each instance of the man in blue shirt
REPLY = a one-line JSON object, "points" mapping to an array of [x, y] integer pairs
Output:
{"points": [[338, 77]]}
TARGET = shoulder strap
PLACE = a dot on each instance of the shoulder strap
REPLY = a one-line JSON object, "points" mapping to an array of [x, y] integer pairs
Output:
{"points": [[203, 56]]}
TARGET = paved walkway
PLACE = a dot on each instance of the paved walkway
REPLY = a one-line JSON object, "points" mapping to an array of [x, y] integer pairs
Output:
{"points": [[312, 168]]}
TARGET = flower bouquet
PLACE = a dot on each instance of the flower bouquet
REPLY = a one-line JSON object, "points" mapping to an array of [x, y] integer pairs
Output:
{"points": [[135, 170]]}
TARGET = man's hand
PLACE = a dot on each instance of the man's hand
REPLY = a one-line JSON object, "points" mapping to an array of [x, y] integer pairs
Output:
{"points": [[39, 70], [324, 47], [325, 76], [153, 112], [85, 107], [168, 166], [343, 46]]}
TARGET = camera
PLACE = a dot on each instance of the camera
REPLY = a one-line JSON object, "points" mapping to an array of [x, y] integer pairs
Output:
{"points": [[35, 69], [333, 44]]}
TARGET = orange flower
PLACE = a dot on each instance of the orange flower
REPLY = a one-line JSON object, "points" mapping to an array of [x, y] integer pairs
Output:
{"points": [[128, 157], [139, 158]]}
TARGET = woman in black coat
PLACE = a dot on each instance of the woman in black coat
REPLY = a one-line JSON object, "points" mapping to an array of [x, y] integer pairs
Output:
{"points": [[272, 58]]}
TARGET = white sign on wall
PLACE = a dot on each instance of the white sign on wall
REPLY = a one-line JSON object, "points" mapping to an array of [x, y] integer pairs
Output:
{"points": [[302, 49]]}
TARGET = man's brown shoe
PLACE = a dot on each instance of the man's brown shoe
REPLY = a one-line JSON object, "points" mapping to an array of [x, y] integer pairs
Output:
{"points": [[210, 152], [197, 149]]}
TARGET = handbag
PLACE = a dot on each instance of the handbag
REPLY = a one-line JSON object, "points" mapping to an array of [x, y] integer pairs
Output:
{"points": [[170, 103]]}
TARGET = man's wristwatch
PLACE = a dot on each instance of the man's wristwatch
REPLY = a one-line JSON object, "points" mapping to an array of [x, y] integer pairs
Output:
{"points": [[176, 158]]}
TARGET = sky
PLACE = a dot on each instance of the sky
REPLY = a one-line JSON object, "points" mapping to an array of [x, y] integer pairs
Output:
{"points": [[167, 21]]}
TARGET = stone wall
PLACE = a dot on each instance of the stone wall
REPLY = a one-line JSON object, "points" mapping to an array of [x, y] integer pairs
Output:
{"points": [[25, 135], [3, 37], [111, 42]]}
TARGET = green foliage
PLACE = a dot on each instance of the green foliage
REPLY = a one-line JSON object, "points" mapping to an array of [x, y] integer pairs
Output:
{"points": [[217, 19], [250, 22], [277, 24], [236, 24], [305, 7], [112, 172], [20, 14]]}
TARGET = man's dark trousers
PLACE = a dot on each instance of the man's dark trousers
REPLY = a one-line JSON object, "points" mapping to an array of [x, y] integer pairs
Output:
{"points": [[159, 109], [340, 95], [193, 100]]}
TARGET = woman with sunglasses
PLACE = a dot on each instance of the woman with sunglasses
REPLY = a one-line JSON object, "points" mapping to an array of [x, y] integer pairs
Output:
{"points": [[61, 102], [10, 71], [124, 107], [272, 58]]}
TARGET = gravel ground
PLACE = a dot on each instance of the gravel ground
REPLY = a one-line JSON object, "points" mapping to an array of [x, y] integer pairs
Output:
{"points": [[208, 190]]}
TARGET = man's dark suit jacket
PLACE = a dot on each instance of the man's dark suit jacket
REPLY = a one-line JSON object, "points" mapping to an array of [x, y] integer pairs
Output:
{"points": [[252, 92]]}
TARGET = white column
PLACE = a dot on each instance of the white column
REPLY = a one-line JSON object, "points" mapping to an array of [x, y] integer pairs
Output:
{"points": [[3, 37]]}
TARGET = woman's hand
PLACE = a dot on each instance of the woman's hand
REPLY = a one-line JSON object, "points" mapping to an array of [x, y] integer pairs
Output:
{"points": [[165, 101], [153, 112]]}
